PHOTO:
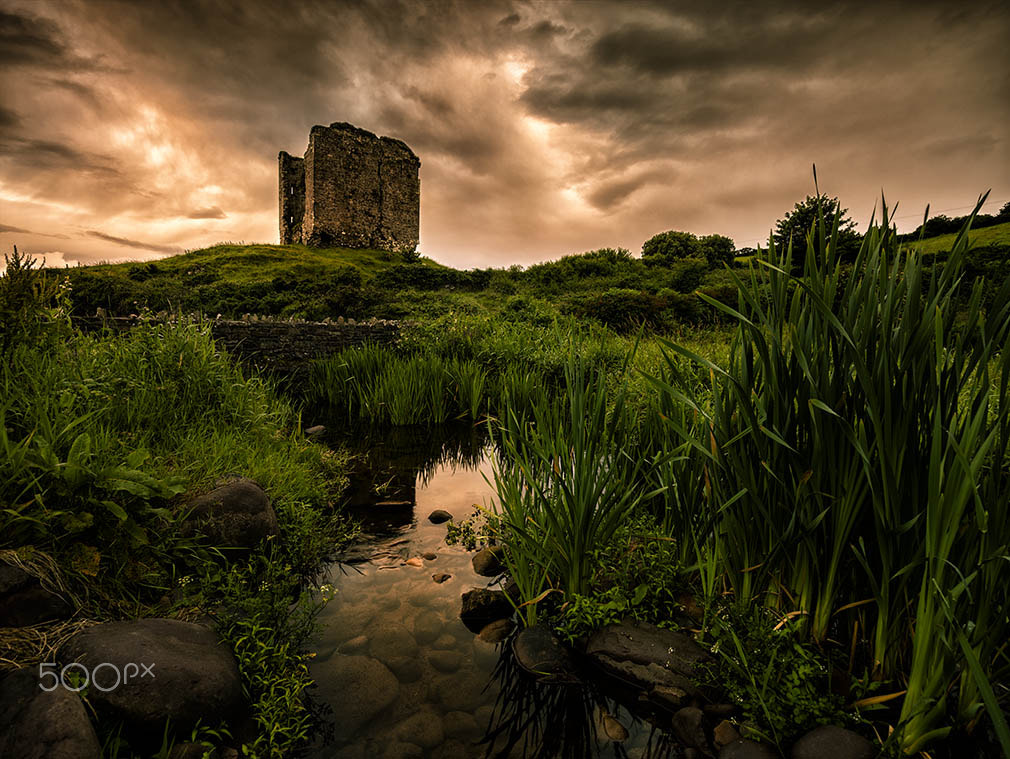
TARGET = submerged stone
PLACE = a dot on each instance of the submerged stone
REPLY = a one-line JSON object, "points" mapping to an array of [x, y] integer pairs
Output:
{"points": [[438, 516], [357, 688]]}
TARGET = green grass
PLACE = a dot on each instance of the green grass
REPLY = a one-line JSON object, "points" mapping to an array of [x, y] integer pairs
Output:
{"points": [[242, 264], [102, 440], [977, 238]]}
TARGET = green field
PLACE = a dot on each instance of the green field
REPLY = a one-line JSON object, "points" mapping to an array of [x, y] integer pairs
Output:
{"points": [[997, 235]]}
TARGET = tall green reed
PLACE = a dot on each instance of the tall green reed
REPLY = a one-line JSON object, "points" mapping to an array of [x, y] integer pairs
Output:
{"points": [[564, 483], [855, 448]]}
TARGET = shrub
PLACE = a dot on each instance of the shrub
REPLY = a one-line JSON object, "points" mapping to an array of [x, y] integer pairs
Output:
{"points": [[623, 310]]}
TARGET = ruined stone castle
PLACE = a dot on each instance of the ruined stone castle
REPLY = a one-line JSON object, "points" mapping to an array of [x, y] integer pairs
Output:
{"points": [[351, 190]]}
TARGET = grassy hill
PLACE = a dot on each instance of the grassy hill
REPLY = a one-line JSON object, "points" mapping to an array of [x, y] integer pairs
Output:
{"points": [[607, 285], [996, 235]]}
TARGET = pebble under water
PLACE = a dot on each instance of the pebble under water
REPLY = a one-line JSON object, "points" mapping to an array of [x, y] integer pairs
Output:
{"points": [[398, 674]]}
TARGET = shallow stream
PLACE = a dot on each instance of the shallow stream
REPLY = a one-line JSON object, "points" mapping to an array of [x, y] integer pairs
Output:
{"points": [[397, 672]]}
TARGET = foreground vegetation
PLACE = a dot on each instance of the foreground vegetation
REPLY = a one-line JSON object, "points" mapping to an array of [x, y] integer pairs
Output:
{"points": [[807, 450], [102, 439], [847, 472]]}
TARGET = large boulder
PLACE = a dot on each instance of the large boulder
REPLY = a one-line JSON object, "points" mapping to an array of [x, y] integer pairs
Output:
{"points": [[41, 724], [662, 663], [481, 607], [642, 643], [830, 742], [24, 602], [238, 513], [538, 651], [147, 670]]}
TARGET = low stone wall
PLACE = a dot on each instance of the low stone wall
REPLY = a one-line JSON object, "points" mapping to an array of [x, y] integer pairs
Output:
{"points": [[284, 346]]}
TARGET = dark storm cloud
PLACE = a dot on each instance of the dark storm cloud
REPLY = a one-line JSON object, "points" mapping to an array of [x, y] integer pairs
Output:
{"points": [[207, 213], [20, 231], [134, 243], [47, 155], [29, 40]]}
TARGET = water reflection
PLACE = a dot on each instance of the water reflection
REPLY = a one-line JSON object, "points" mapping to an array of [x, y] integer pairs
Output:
{"points": [[397, 672]]}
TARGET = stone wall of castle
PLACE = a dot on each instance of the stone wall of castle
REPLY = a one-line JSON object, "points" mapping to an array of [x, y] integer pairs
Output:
{"points": [[352, 190], [285, 346], [291, 197]]}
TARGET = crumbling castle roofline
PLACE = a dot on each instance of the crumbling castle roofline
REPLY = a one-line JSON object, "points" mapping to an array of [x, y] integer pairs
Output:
{"points": [[352, 189]]}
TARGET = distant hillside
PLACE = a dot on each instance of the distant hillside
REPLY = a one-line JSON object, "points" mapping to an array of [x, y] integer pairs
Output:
{"points": [[611, 286], [995, 235]]}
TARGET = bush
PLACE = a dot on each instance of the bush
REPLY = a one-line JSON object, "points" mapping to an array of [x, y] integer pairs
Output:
{"points": [[623, 310], [30, 302]]}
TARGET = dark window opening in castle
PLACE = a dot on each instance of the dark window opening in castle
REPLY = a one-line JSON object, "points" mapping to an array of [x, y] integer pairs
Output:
{"points": [[352, 189]]}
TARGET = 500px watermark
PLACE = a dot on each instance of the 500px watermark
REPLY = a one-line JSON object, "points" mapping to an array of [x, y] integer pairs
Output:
{"points": [[76, 676]]}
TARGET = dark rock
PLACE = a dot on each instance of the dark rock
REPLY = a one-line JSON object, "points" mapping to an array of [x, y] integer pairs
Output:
{"points": [[497, 631], [487, 562], [829, 742], [38, 724], [689, 726], [358, 688], [192, 674], [724, 733], [670, 697], [482, 606], [747, 749], [237, 513], [445, 661], [440, 577], [538, 651], [651, 678], [438, 516], [642, 643], [24, 602], [315, 431], [429, 556]]}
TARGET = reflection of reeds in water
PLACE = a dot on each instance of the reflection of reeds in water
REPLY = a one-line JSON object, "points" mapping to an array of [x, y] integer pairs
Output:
{"points": [[553, 721], [420, 451]]}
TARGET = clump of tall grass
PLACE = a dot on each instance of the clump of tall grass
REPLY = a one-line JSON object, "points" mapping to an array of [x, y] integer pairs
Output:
{"points": [[854, 451], [564, 485]]}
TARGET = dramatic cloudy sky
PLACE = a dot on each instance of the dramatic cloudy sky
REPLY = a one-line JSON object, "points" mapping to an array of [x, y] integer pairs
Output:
{"points": [[138, 129]]}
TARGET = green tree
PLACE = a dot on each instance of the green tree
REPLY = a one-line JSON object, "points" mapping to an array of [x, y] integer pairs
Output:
{"points": [[718, 250], [670, 246], [797, 223]]}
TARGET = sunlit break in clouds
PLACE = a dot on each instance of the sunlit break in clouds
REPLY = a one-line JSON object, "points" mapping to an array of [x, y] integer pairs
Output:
{"points": [[137, 130]]}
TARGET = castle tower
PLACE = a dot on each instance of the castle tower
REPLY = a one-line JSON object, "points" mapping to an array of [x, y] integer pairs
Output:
{"points": [[352, 190]]}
